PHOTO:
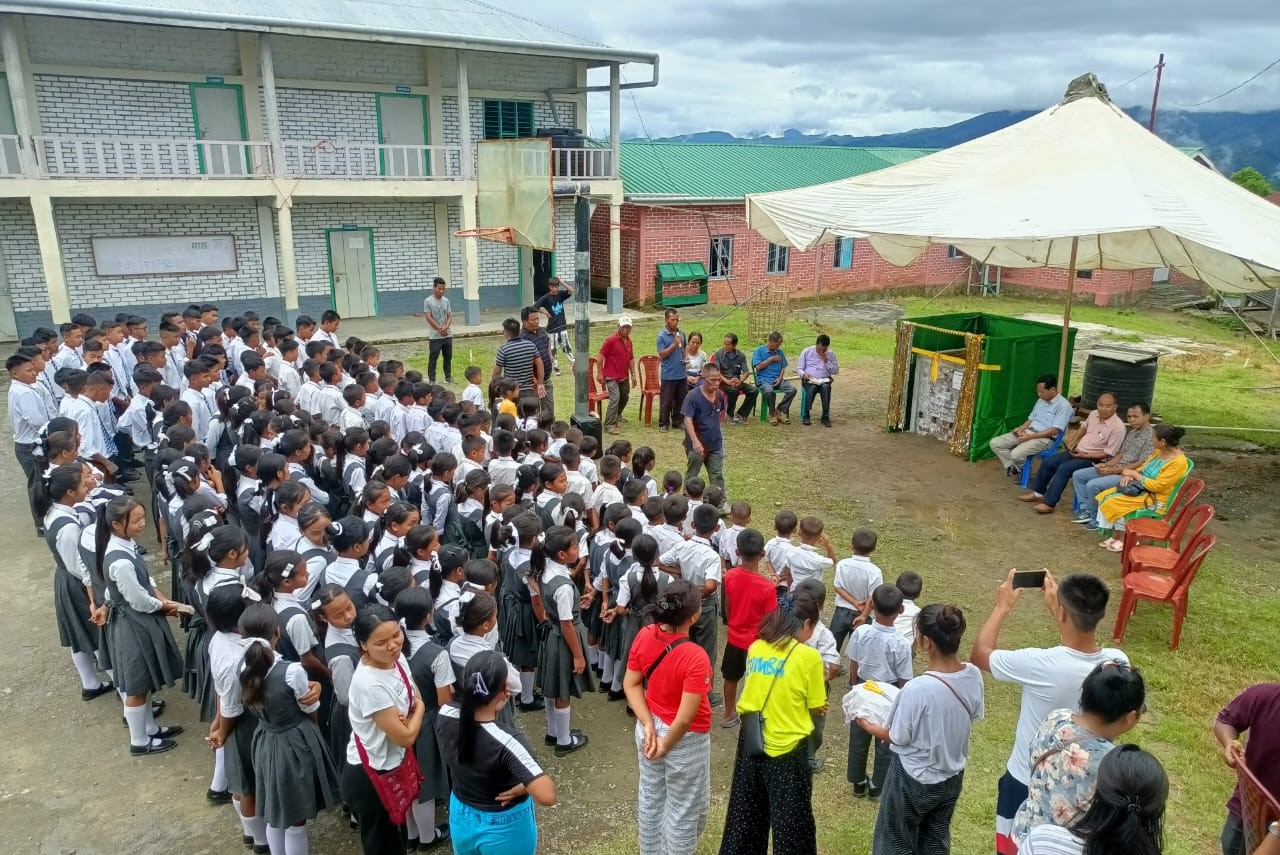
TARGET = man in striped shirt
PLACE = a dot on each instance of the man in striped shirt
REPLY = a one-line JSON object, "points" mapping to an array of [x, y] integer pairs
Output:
{"points": [[517, 359]]}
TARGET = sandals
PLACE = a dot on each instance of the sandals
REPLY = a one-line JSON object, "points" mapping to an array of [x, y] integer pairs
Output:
{"points": [[1115, 546], [731, 723]]}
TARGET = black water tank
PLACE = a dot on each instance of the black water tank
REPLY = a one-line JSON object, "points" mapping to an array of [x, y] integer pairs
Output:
{"points": [[1129, 374]]}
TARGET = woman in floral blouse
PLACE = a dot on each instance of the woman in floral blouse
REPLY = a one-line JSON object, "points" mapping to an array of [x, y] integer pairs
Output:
{"points": [[1069, 746]]}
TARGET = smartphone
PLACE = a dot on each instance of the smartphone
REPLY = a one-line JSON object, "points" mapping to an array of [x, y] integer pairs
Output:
{"points": [[1029, 579]]}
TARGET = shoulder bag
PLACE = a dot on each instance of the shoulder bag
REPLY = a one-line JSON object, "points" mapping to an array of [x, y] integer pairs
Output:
{"points": [[952, 690], [397, 789], [753, 722], [648, 672]]}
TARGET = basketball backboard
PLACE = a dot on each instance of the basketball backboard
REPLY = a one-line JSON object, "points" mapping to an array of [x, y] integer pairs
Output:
{"points": [[514, 193]]}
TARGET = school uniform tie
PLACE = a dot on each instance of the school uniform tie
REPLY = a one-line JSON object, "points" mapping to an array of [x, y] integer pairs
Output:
{"points": [[107, 436]]}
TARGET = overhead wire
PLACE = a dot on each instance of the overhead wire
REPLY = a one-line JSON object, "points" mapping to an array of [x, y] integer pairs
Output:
{"points": [[1239, 85]]}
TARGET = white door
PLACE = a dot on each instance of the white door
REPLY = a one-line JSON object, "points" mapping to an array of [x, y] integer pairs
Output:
{"points": [[351, 266], [403, 123], [218, 117], [8, 324]]}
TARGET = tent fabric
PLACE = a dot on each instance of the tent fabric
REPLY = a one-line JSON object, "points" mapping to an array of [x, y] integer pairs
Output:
{"points": [[1017, 197]]}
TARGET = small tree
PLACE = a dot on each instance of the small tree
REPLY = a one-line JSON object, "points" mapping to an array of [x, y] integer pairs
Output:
{"points": [[1253, 181]]}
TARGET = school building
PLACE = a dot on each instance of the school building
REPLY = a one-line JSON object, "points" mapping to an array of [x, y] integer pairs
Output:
{"points": [[684, 202], [288, 157]]}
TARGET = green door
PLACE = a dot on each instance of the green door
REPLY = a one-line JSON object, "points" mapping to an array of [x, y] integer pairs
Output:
{"points": [[402, 121], [217, 109]]}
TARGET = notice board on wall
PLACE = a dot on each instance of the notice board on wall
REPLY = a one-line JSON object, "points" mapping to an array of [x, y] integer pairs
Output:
{"points": [[164, 255]]}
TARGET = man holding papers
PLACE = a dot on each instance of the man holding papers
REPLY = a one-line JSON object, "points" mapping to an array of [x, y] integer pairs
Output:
{"points": [[817, 366]]}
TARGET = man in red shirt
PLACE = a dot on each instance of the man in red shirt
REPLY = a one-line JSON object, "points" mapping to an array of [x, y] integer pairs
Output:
{"points": [[617, 368], [1257, 711], [749, 596]]}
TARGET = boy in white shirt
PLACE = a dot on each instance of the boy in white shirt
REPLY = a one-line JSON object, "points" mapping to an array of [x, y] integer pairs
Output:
{"points": [[777, 552], [910, 584], [503, 468], [471, 459], [589, 448], [739, 519], [473, 393], [856, 578], [571, 458], [876, 652], [805, 561], [353, 401], [289, 379], [607, 493]]}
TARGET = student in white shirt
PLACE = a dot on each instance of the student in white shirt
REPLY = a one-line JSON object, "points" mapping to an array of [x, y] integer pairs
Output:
{"points": [[473, 393], [777, 549], [288, 378], [328, 331], [805, 561], [928, 730], [329, 399], [196, 395], [910, 584], [675, 509], [351, 416], [698, 563], [877, 653], [1050, 677], [856, 578]]}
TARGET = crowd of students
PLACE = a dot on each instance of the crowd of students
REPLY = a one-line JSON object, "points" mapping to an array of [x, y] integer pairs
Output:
{"points": [[379, 583]]}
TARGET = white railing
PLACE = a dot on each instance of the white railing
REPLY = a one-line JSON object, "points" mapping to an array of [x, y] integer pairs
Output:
{"points": [[580, 163], [344, 159], [150, 157], [10, 155]]}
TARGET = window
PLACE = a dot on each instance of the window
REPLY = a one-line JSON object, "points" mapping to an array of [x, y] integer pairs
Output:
{"points": [[777, 263], [720, 257], [508, 120], [843, 258], [1084, 274], [952, 252]]}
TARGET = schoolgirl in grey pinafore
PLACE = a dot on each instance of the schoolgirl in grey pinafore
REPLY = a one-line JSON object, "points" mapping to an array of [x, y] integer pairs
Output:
{"points": [[294, 778], [339, 644], [197, 675], [144, 656], [435, 774], [70, 598], [615, 569], [517, 625], [249, 512], [555, 662], [89, 558], [238, 751], [596, 553], [636, 605]]}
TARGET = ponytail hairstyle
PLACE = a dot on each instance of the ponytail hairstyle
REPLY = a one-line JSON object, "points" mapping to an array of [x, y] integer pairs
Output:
{"points": [[1126, 815], [794, 610], [109, 513], [678, 602], [396, 466], [184, 474], [160, 486], [286, 494], [449, 560], [397, 514], [379, 451], [57, 443], [481, 574], [483, 680], [527, 477], [942, 624], [259, 627], [372, 492], [391, 583], [476, 611], [642, 460], [246, 457], [278, 567], [292, 442], [572, 510], [61, 482], [195, 559], [347, 533], [413, 606], [224, 607], [417, 539], [518, 527], [368, 620], [555, 540], [310, 513], [273, 469], [477, 480], [351, 440], [178, 436], [625, 531], [256, 427], [644, 549], [326, 594], [240, 411]]}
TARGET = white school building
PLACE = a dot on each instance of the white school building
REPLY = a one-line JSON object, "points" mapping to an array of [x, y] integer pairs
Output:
{"points": [[279, 155]]}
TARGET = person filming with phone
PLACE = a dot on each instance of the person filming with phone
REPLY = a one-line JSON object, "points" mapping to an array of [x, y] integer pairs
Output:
{"points": [[1050, 677]]}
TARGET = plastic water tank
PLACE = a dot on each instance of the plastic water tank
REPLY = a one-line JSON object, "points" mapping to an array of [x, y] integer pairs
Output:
{"points": [[1129, 374]]}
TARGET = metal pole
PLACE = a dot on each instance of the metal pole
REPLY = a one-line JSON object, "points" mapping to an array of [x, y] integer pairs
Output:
{"points": [[582, 303], [1066, 317], [1155, 96]]}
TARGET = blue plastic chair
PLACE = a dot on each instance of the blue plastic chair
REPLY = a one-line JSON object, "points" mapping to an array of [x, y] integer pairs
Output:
{"points": [[1044, 455]]}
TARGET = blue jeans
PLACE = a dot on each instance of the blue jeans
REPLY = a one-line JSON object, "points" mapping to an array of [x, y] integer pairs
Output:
{"points": [[481, 832], [1088, 484]]}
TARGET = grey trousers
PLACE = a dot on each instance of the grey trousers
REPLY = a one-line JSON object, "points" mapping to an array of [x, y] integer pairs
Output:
{"points": [[714, 461], [1012, 452], [675, 793], [31, 469], [705, 631], [619, 391]]}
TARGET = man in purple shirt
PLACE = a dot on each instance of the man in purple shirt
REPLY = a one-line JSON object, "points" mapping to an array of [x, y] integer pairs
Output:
{"points": [[1256, 711], [817, 368]]}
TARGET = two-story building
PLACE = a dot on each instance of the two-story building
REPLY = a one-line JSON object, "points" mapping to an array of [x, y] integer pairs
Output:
{"points": [[289, 157]]}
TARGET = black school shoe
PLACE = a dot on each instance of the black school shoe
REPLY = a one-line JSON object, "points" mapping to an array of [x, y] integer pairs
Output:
{"points": [[153, 746], [860, 790], [536, 704], [576, 742], [90, 694], [617, 696], [157, 710], [550, 741], [167, 732], [221, 797]]}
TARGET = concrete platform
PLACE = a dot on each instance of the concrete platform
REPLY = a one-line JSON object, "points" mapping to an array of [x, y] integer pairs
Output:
{"points": [[403, 328]]}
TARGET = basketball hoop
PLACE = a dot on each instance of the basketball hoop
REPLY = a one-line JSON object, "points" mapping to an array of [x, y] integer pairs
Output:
{"points": [[504, 234]]}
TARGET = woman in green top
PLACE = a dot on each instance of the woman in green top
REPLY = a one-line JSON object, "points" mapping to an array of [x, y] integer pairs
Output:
{"points": [[783, 683]]}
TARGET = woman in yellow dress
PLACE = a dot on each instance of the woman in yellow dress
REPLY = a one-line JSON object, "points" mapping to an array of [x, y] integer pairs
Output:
{"points": [[1158, 476]]}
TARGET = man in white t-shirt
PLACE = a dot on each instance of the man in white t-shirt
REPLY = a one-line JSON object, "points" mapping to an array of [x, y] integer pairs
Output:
{"points": [[1050, 677]]}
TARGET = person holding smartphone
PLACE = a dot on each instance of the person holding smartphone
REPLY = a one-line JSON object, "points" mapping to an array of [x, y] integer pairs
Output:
{"points": [[1050, 677]]}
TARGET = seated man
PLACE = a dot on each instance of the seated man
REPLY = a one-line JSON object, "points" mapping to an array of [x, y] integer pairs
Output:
{"points": [[733, 379], [1098, 439], [1136, 448], [817, 366], [1051, 414], [769, 363]]}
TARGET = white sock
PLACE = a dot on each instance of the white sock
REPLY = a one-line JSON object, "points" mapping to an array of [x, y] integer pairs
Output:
{"points": [[85, 668], [275, 840], [562, 727], [244, 820], [527, 679], [411, 825], [219, 782], [295, 840], [593, 656], [258, 828], [424, 815], [618, 670], [136, 718], [152, 727], [606, 664], [550, 706]]}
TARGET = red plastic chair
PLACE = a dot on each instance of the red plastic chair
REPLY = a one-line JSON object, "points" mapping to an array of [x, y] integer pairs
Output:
{"points": [[1153, 528], [1163, 558], [1163, 588], [650, 385], [1258, 807], [595, 397]]}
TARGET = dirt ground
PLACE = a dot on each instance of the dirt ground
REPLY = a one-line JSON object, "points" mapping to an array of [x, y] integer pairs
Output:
{"points": [[68, 784]]}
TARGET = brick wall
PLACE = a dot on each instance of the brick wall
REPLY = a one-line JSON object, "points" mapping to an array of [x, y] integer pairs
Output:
{"points": [[1106, 287], [22, 257], [301, 58], [87, 106], [138, 47], [322, 114]]}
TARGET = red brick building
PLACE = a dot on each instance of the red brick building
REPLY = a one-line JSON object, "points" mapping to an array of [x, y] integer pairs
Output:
{"points": [[684, 202]]}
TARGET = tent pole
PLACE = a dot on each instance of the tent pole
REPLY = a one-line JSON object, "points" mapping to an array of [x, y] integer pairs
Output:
{"points": [[1066, 314]]}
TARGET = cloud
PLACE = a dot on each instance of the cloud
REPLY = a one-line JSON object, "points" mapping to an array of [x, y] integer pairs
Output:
{"points": [[865, 68]]}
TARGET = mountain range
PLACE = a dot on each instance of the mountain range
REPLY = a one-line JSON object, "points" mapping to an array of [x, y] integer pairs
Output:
{"points": [[1231, 140]]}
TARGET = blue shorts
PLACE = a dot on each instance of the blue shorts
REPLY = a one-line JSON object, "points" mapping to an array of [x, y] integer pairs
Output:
{"points": [[481, 832]]}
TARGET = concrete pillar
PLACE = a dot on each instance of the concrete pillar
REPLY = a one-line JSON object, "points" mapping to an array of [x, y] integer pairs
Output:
{"points": [[55, 279], [288, 264], [22, 100], [470, 264], [270, 105], [464, 122], [615, 116], [270, 260], [614, 298]]}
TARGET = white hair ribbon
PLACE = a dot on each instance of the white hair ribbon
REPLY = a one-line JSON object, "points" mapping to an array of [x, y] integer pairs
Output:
{"points": [[542, 537], [316, 605], [478, 685], [248, 593], [336, 528], [202, 545]]}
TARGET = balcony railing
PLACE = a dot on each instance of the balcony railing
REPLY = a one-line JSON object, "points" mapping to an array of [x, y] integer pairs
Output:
{"points": [[343, 159], [583, 163], [150, 157]]}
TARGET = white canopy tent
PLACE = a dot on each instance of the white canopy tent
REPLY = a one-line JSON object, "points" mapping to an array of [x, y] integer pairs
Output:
{"points": [[1078, 186]]}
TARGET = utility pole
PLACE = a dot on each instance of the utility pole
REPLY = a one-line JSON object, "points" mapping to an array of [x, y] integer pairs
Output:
{"points": [[1155, 97]]}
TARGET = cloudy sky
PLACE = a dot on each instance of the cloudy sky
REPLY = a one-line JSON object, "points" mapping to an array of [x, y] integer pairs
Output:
{"points": [[878, 66]]}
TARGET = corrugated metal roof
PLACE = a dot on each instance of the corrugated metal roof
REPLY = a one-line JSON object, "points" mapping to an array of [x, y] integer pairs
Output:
{"points": [[411, 20], [698, 171]]}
